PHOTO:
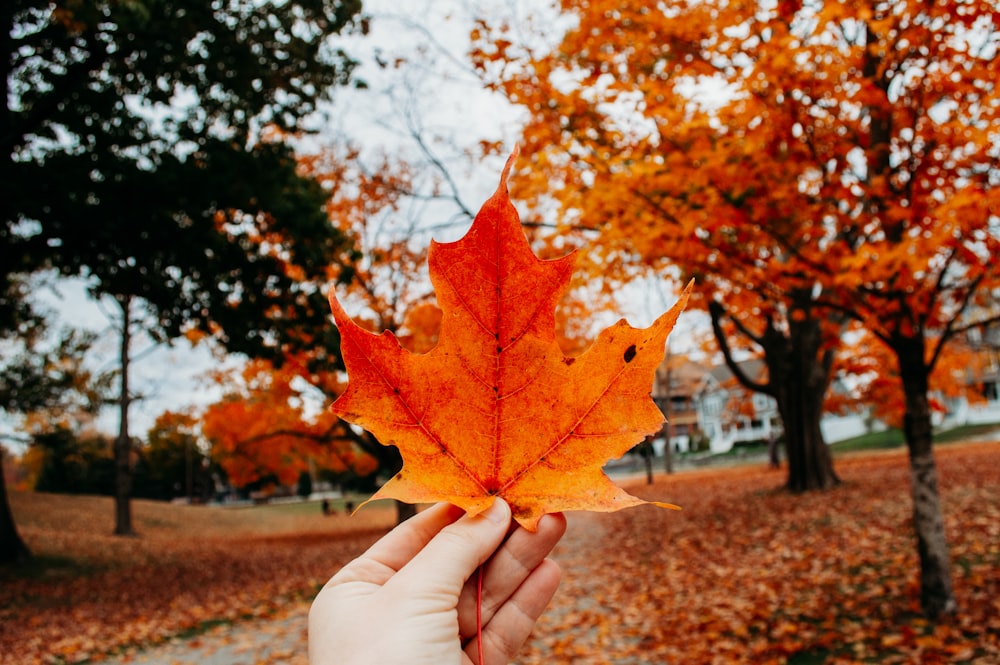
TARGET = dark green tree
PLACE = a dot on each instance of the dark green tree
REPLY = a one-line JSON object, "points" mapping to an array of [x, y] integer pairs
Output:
{"points": [[142, 151], [74, 464], [171, 464]]}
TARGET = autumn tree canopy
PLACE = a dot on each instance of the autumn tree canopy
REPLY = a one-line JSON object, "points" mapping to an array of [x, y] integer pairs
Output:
{"points": [[263, 427], [811, 163]]}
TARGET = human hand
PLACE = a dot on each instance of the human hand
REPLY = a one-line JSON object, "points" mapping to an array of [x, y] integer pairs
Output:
{"points": [[411, 598]]}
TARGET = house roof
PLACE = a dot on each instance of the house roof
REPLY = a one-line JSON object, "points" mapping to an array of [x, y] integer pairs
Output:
{"points": [[753, 368], [685, 377], [720, 376]]}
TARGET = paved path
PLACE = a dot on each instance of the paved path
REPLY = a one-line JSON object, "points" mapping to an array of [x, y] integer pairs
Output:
{"points": [[277, 640]]}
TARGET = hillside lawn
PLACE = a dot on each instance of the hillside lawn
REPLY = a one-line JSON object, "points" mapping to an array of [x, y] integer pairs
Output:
{"points": [[744, 573]]}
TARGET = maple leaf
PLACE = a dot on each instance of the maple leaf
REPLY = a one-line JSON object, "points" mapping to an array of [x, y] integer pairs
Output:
{"points": [[496, 409]]}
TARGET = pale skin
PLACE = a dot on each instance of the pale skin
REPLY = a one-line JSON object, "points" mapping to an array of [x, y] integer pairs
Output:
{"points": [[411, 598]]}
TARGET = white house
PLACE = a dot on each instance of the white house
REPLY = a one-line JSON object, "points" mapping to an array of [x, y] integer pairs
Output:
{"points": [[728, 413], [708, 404], [984, 380], [708, 408]]}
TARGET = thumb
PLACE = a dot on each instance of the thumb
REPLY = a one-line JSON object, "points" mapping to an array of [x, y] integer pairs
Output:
{"points": [[450, 558]]}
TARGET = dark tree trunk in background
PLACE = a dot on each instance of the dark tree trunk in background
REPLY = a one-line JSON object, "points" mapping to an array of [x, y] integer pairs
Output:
{"points": [[810, 466], [798, 376], [668, 414], [800, 380], [937, 594], [404, 511], [12, 547], [123, 443]]}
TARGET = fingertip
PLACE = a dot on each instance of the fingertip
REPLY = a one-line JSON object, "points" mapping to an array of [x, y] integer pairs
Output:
{"points": [[552, 571], [553, 523], [499, 512]]}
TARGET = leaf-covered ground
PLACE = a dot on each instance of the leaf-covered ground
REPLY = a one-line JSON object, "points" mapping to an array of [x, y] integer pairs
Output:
{"points": [[745, 573], [93, 593]]}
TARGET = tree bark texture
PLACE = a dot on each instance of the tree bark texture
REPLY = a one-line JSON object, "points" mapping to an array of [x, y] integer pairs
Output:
{"points": [[12, 547], [123, 443], [798, 376], [800, 383], [937, 595]]}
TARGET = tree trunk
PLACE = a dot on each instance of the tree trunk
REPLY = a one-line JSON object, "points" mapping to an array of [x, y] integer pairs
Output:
{"points": [[668, 414], [810, 466], [12, 547], [802, 386], [123, 443], [798, 376], [391, 461], [937, 595]]}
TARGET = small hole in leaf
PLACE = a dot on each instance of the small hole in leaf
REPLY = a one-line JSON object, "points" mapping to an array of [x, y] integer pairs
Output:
{"points": [[630, 353]]}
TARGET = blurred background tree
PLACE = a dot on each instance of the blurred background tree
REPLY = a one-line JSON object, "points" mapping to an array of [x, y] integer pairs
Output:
{"points": [[136, 156], [43, 379]]}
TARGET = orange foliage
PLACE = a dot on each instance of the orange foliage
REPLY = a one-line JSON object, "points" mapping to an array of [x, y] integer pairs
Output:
{"points": [[385, 277], [495, 409], [262, 428], [843, 154]]}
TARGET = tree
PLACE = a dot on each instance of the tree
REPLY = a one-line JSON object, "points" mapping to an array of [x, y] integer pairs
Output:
{"points": [[666, 204], [388, 281], [172, 463], [261, 428], [845, 169], [41, 377], [135, 155], [73, 464]]}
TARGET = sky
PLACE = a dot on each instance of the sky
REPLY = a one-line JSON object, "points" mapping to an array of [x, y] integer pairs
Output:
{"points": [[432, 93]]}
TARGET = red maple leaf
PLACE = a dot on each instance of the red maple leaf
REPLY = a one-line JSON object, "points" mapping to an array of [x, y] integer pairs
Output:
{"points": [[495, 409]]}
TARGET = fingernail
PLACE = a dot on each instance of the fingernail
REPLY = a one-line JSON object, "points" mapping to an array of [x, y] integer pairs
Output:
{"points": [[499, 512]]}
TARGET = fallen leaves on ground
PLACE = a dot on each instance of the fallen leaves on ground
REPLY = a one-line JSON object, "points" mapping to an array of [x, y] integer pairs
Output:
{"points": [[191, 567], [745, 573]]}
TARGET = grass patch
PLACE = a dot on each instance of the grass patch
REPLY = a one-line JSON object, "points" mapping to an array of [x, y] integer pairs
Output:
{"points": [[965, 432], [893, 438], [890, 438]]}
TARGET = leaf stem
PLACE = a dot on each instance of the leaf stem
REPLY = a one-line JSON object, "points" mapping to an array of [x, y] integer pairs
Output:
{"points": [[479, 612]]}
